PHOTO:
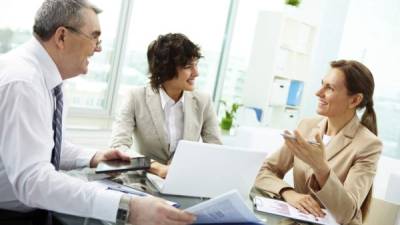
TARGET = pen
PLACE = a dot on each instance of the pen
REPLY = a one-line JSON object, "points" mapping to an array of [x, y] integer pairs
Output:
{"points": [[131, 191]]}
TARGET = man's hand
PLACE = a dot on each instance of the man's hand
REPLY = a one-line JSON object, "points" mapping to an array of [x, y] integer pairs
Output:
{"points": [[159, 169], [108, 155], [155, 211], [304, 203]]}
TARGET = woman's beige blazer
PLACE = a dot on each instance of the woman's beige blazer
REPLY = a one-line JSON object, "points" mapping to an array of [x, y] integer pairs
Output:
{"points": [[352, 155], [141, 120]]}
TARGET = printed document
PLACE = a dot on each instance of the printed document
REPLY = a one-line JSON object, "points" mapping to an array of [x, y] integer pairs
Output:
{"points": [[282, 208], [226, 208], [111, 185]]}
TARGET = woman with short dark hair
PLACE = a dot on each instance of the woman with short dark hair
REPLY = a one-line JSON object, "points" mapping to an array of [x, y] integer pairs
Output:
{"points": [[169, 109]]}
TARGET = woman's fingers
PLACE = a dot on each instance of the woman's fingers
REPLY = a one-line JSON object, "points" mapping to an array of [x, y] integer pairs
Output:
{"points": [[312, 207], [301, 208], [317, 209]]}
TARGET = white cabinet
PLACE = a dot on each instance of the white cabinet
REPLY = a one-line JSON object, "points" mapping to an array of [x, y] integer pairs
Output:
{"points": [[279, 91], [282, 117], [278, 68]]}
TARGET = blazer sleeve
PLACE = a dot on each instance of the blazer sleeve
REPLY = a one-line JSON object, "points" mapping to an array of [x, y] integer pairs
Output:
{"points": [[210, 131], [123, 126], [350, 194], [270, 178]]}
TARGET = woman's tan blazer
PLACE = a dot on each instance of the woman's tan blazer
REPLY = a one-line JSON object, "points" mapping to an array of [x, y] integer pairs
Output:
{"points": [[352, 155], [141, 120]]}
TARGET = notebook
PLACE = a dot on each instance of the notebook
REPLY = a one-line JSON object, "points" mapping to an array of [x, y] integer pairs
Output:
{"points": [[208, 170]]}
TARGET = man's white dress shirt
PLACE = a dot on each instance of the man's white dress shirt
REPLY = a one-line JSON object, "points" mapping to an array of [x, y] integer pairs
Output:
{"points": [[173, 112], [27, 178]]}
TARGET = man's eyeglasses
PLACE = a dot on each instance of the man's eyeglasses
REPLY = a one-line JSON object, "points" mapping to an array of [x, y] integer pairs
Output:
{"points": [[91, 38]]}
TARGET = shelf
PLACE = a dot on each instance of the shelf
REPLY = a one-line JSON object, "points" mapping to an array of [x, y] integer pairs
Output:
{"points": [[279, 67], [295, 51], [283, 77], [286, 106]]}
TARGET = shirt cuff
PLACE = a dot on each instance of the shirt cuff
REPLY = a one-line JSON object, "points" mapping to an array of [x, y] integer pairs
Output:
{"points": [[106, 205], [272, 188], [84, 158]]}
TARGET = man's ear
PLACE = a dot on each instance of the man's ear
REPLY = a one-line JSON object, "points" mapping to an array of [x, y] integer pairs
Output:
{"points": [[356, 100], [60, 36]]}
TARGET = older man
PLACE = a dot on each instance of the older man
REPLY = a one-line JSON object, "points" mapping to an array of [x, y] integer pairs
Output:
{"points": [[66, 34]]}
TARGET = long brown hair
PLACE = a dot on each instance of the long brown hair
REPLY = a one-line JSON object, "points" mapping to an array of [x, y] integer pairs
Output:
{"points": [[359, 79]]}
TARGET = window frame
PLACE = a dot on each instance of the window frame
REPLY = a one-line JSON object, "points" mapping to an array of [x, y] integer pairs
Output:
{"points": [[106, 115]]}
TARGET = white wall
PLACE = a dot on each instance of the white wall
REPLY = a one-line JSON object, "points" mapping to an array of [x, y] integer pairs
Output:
{"points": [[327, 47]]}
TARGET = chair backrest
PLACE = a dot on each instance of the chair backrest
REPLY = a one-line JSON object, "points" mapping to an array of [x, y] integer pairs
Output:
{"points": [[382, 212], [265, 138], [249, 116], [393, 187]]}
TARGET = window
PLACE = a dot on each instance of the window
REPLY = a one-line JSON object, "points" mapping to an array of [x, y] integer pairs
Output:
{"points": [[240, 50], [128, 27], [200, 22], [16, 23], [89, 91], [92, 91], [371, 36]]}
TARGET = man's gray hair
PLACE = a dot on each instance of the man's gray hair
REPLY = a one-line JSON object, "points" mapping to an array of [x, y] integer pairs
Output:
{"points": [[55, 13]]}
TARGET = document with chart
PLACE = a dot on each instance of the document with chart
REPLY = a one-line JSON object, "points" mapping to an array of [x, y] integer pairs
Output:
{"points": [[282, 208], [226, 208]]}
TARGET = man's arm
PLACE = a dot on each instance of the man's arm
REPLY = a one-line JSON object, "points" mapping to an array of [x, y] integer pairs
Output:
{"points": [[26, 151], [73, 156]]}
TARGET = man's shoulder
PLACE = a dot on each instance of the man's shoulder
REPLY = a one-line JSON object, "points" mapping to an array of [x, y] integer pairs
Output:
{"points": [[15, 67]]}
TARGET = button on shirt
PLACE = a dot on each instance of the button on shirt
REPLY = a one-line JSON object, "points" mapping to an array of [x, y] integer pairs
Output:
{"points": [[28, 180], [173, 112]]}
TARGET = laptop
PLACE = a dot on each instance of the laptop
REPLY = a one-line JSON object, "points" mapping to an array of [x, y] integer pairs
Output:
{"points": [[208, 170]]}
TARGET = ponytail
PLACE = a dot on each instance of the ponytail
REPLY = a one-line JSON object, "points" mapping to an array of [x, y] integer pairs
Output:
{"points": [[359, 79], [368, 118]]}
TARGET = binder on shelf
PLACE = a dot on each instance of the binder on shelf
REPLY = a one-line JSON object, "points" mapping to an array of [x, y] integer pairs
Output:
{"points": [[295, 92], [280, 89]]}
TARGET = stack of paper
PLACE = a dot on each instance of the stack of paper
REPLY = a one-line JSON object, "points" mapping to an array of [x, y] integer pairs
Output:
{"points": [[284, 209], [227, 208]]}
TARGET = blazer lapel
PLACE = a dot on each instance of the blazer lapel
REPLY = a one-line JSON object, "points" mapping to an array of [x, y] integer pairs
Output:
{"points": [[342, 139], [157, 114], [190, 120]]}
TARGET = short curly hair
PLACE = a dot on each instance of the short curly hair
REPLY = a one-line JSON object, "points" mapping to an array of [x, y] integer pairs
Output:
{"points": [[166, 54]]}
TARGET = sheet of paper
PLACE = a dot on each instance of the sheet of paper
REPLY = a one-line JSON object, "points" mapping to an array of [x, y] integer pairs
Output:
{"points": [[282, 208], [108, 184], [226, 208], [157, 181]]}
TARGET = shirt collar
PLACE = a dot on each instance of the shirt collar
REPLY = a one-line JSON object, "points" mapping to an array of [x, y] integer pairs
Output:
{"points": [[166, 99], [51, 75]]}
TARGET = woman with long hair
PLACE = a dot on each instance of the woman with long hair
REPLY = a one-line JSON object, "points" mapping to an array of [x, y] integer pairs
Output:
{"points": [[337, 172]]}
